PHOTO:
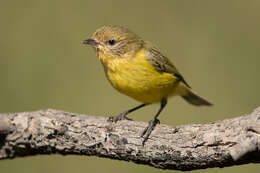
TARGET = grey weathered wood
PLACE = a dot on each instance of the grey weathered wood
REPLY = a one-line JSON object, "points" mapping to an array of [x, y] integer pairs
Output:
{"points": [[188, 147]]}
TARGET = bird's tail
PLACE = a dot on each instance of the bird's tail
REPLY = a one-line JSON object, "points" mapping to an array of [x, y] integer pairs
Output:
{"points": [[192, 97]]}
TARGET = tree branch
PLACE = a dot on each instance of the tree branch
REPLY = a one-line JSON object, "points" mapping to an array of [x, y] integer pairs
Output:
{"points": [[188, 147]]}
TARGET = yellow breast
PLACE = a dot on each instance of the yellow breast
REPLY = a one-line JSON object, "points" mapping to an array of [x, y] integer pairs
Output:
{"points": [[137, 78]]}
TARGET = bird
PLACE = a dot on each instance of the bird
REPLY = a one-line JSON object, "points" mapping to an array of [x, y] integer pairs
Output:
{"points": [[138, 69]]}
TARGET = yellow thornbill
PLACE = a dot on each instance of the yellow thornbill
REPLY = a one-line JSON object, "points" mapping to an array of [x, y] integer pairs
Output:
{"points": [[136, 68]]}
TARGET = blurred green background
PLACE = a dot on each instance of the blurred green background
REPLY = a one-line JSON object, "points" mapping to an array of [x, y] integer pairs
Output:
{"points": [[43, 64]]}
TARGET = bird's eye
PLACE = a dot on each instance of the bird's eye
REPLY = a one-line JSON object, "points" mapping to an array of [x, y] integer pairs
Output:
{"points": [[111, 42]]}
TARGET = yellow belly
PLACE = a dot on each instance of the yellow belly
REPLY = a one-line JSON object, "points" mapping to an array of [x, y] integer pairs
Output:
{"points": [[138, 79]]}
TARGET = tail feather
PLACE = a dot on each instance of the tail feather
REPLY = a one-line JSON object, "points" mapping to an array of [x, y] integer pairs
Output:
{"points": [[193, 98]]}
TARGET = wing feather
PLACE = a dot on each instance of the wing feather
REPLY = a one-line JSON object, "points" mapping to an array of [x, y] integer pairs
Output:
{"points": [[162, 64]]}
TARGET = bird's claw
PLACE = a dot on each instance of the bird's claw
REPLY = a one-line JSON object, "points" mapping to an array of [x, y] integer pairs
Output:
{"points": [[148, 130], [120, 117]]}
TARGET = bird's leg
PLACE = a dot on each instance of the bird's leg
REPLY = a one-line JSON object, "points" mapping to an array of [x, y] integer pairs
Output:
{"points": [[122, 116], [148, 130]]}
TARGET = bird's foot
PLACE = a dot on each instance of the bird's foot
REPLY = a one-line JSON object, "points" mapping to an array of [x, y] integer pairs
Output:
{"points": [[120, 117], [148, 130]]}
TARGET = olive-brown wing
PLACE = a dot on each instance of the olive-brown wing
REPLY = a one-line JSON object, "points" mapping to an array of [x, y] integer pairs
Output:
{"points": [[162, 64]]}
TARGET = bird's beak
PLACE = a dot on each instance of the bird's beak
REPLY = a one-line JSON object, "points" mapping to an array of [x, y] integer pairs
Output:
{"points": [[91, 42]]}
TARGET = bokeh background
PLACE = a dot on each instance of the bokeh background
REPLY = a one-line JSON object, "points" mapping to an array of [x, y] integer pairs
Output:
{"points": [[43, 64]]}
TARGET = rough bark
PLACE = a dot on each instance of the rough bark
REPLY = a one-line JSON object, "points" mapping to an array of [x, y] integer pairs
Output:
{"points": [[188, 147]]}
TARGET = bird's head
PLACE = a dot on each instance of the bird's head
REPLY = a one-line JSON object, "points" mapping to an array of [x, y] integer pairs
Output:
{"points": [[115, 42]]}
